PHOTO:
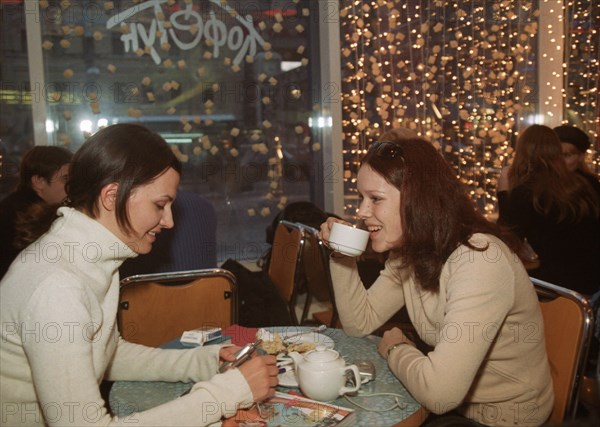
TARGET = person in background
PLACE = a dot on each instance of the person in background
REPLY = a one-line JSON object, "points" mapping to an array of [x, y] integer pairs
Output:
{"points": [[58, 308], [575, 143], [466, 292], [556, 210], [43, 173]]}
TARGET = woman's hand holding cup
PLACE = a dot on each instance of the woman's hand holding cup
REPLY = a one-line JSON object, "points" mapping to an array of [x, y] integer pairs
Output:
{"points": [[326, 228], [342, 237]]}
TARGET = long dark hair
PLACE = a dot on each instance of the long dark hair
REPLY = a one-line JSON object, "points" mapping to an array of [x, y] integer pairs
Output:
{"points": [[436, 213], [128, 154], [539, 166]]}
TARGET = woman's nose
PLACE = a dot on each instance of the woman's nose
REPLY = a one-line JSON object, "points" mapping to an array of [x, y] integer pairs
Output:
{"points": [[167, 219], [364, 209]]}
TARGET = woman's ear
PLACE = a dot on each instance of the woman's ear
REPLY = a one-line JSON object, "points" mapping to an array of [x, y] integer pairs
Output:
{"points": [[37, 183], [108, 196]]}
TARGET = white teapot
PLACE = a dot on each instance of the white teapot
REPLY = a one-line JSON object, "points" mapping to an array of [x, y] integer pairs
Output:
{"points": [[321, 374]]}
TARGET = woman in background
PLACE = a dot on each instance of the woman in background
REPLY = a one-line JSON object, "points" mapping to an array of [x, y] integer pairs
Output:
{"points": [[43, 173], [466, 292], [58, 308], [555, 209], [575, 143]]}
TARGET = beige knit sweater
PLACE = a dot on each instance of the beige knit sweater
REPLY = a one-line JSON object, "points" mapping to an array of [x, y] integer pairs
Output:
{"points": [[58, 305], [489, 360]]}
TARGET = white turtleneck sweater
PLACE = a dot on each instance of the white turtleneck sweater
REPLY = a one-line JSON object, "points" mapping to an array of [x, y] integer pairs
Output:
{"points": [[59, 339]]}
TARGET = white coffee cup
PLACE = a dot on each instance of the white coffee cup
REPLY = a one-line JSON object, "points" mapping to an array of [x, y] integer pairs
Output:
{"points": [[350, 241]]}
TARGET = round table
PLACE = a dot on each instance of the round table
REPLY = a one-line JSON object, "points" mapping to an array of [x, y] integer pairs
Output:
{"points": [[377, 395]]}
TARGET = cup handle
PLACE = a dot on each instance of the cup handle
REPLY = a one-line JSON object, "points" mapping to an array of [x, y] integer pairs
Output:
{"points": [[357, 380]]}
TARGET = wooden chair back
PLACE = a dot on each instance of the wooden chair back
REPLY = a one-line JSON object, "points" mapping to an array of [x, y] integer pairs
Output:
{"points": [[315, 268], [568, 323], [157, 308], [284, 264]]}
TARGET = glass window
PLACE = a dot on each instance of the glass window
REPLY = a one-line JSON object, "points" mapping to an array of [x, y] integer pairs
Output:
{"points": [[236, 87], [229, 84], [16, 120]]}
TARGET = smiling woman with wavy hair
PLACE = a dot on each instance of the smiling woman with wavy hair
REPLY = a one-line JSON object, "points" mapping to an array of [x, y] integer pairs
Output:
{"points": [[452, 270]]}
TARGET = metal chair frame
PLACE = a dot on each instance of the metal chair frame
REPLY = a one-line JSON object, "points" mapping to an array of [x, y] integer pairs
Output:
{"points": [[284, 265], [567, 364], [311, 258]]}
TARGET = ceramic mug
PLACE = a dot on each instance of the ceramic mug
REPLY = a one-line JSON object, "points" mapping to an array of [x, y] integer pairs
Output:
{"points": [[350, 241]]}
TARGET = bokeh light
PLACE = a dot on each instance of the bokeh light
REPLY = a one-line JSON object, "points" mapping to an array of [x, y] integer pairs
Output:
{"points": [[462, 74]]}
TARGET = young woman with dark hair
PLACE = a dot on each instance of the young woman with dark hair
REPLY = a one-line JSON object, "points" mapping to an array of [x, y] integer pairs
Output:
{"points": [[58, 303], [555, 209], [43, 173], [466, 292], [575, 143]]}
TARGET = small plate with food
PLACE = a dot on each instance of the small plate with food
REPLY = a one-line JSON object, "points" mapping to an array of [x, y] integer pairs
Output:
{"points": [[277, 343]]}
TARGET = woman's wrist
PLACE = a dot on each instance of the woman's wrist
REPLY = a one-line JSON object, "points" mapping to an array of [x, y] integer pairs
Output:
{"points": [[394, 347]]}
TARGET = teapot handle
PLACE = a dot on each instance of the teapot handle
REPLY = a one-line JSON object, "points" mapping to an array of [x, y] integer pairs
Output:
{"points": [[357, 380]]}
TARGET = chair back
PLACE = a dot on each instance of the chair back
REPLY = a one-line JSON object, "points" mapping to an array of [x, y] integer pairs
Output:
{"points": [[284, 265], [156, 308], [299, 259], [568, 320], [315, 266]]}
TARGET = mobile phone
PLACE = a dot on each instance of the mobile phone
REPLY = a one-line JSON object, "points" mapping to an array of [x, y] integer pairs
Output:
{"points": [[241, 356]]}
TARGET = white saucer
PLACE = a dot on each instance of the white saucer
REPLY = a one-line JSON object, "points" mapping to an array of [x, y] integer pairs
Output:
{"points": [[346, 250], [288, 379]]}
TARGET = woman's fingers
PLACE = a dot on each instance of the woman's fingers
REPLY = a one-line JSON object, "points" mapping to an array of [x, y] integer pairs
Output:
{"points": [[228, 352], [326, 227], [261, 374]]}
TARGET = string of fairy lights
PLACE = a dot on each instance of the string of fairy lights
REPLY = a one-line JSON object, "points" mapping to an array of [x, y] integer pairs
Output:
{"points": [[461, 74], [582, 53]]}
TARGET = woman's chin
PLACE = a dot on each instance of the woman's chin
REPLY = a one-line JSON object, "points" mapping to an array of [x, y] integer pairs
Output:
{"points": [[379, 248], [144, 249], [140, 248]]}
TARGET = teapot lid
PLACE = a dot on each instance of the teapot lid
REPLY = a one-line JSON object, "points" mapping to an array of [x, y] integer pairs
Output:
{"points": [[321, 354]]}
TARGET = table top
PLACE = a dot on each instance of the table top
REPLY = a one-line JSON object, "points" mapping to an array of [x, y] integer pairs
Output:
{"points": [[377, 395]]}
